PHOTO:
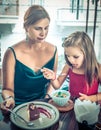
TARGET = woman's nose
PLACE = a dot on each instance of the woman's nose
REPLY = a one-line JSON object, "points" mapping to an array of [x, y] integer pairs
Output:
{"points": [[42, 32]]}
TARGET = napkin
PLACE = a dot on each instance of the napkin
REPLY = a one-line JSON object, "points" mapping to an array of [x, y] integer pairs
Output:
{"points": [[86, 111]]}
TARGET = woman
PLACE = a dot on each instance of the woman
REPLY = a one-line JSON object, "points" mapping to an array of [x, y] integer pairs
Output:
{"points": [[23, 80]]}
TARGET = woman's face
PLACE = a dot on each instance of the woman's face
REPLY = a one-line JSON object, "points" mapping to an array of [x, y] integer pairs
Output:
{"points": [[38, 31], [75, 56]]}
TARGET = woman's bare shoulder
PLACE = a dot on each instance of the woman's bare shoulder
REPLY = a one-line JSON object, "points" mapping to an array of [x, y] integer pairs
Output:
{"points": [[9, 53], [50, 48], [19, 44], [8, 56], [50, 45]]}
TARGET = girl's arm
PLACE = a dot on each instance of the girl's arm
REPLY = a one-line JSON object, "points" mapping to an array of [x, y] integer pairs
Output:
{"points": [[8, 78], [56, 81], [93, 98], [50, 88]]}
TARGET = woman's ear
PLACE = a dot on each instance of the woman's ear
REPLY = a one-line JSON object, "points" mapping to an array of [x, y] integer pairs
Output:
{"points": [[26, 29]]}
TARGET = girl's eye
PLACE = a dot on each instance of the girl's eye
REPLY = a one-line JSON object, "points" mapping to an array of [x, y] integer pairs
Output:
{"points": [[72, 56], [68, 56], [76, 57]]}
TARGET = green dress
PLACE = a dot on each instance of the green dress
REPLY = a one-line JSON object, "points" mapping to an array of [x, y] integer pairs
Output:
{"points": [[30, 85]]}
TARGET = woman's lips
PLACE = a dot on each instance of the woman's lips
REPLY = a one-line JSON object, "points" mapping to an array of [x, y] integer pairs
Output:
{"points": [[40, 38]]}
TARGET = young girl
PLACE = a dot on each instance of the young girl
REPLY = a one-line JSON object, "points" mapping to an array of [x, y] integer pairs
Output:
{"points": [[81, 66]]}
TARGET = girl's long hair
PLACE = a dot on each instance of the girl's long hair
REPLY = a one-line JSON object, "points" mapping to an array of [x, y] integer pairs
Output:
{"points": [[83, 41]]}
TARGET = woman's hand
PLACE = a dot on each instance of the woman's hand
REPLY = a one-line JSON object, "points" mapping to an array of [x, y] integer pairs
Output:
{"points": [[7, 103], [48, 74], [8, 97]]}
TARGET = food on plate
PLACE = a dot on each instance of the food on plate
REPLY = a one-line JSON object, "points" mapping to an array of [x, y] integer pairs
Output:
{"points": [[44, 111], [35, 111]]}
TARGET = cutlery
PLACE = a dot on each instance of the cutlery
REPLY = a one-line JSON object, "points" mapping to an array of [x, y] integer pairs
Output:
{"points": [[62, 74], [20, 117]]}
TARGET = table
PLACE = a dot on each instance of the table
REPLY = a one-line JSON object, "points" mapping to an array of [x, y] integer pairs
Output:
{"points": [[66, 121]]}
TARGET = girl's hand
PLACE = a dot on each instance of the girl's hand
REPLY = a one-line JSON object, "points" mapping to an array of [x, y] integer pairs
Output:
{"points": [[48, 74], [83, 96]]}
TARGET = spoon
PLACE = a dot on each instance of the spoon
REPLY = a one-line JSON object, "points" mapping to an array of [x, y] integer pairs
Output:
{"points": [[62, 74], [20, 117]]}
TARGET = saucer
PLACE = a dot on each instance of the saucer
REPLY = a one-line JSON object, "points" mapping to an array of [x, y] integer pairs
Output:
{"points": [[69, 106]]}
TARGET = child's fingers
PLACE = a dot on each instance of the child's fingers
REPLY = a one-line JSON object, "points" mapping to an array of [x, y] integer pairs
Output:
{"points": [[46, 70]]}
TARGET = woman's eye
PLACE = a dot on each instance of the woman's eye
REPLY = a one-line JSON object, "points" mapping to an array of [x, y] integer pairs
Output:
{"points": [[46, 28], [37, 28]]}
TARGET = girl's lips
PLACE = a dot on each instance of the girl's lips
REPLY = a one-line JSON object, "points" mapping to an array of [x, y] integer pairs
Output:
{"points": [[75, 65]]}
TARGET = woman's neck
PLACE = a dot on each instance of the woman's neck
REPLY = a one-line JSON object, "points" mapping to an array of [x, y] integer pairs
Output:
{"points": [[36, 45]]}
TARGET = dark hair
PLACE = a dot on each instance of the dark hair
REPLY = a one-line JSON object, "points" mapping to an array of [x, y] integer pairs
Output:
{"points": [[83, 41], [34, 14]]}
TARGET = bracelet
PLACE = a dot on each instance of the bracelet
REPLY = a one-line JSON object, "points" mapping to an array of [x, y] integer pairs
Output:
{"points": [[54, 78], [9, 97], [8, 89]]}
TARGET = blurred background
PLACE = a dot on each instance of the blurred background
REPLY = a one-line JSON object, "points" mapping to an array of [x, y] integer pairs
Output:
{"points": [[66, 16]]}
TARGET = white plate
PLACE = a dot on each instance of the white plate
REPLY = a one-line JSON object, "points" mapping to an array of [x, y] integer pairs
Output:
{"points": [[41, 123]]}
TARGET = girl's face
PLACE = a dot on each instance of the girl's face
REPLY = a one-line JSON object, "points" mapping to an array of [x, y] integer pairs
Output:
{"points": [[38, 31], [75, 56]]}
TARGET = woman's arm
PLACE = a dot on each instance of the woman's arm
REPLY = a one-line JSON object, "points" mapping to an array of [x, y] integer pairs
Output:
{"points": [[8, 78]]}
